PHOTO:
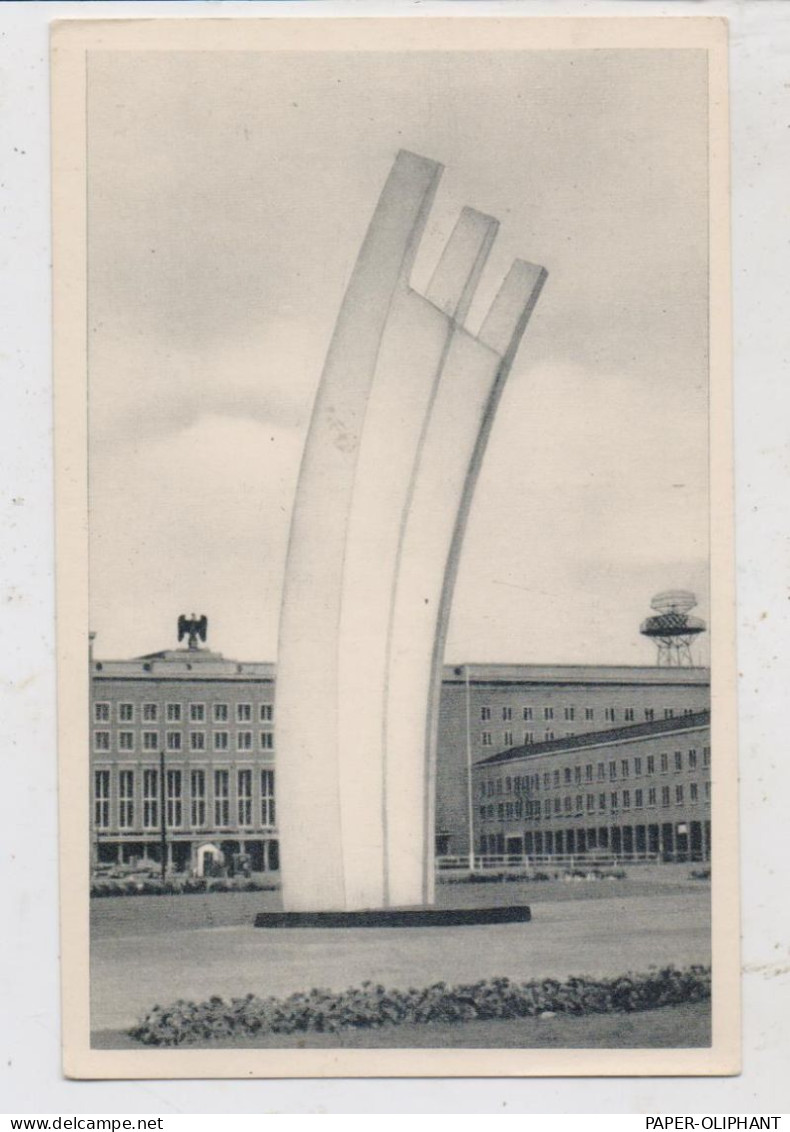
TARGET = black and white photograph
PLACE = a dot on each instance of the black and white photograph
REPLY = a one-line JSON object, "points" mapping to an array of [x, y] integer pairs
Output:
{"points": [[396, 660]]}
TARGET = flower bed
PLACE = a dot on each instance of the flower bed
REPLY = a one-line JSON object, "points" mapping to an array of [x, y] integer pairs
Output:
{"points": [[372, 1006]]}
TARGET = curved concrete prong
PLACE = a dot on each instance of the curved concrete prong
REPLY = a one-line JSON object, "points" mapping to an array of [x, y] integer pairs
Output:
{"points": [[451, 455], [507, 319], [413, 350], [454, 282], [308, 774]]}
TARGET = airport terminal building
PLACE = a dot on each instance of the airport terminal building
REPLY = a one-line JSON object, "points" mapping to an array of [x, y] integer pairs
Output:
{"points": [[183, 759]]}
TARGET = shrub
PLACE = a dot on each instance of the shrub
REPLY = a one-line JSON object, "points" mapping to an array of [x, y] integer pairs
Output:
{"points": [[372, 1006]]}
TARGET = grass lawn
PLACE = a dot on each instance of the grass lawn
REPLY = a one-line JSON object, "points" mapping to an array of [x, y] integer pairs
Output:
{"points": [[673, 1027], [142, 915]]}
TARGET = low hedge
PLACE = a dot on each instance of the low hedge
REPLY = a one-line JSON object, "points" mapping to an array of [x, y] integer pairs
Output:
{"points": [[372, 1006], [528, 877], [150, 886]]}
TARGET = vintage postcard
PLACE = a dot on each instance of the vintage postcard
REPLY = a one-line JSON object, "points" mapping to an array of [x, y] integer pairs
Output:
{"points": [[395, 582]]}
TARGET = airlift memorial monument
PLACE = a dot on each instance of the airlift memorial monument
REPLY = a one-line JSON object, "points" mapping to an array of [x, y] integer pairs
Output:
{"points": [[399, 428]]}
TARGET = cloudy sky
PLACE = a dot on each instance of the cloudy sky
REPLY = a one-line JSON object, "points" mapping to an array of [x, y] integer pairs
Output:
{"points": [[228, 197]]}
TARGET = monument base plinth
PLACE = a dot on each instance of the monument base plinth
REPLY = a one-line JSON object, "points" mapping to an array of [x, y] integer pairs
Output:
{"points": [[396, 918]]}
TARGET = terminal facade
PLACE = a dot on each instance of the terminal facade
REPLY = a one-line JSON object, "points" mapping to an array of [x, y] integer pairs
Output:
{"points": [[183, 756], [643, 789]]}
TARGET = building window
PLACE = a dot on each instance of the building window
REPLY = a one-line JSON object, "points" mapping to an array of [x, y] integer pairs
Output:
{"points": [[590, 803], [548, 736], [174, 713], [589, 713], [150, 713], [126, 713], [221, 741], [638, 799], [221, 797], [613, 799], [527, 713], [485, 738], [174, 799], [601, 771], [626, 799], [628, 715], [693, 793], [567, 803], [588, 772], [548, 713], [243, 740], [197, 713], [267, 797], [507, 714], [174, 740], [679, 795], [101, 740], [243, 713], [485, 713], [150, 740], [706, 756], [664, 795], [101, 799], [678, 760], [197, 740], [650, 714], [692, 760], [579, 804], [669, 713], [624, 768], [267, 713], [612, 769], [198, 797], [508, 785], [566, 775], [499, 786], [608, 714], [664, 762], [220, 713], [529, 736], [126, 740], [557, 805], [602, 802], [570, 712], [101, 713], [267, 740], [508, 811], [651, 796], [547, 808], [126, 799], [706, 788], [150, 799], [556, 778], [244, 796], [577, 774], [508, 738], [637, 767], [651, 764]]}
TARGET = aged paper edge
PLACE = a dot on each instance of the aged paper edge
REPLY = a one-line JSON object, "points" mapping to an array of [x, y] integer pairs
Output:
{"points": [[70, 42]]}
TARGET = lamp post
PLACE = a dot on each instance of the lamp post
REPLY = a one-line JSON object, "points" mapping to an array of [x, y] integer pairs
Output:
{"points": [[163, 822], [469, 794]]}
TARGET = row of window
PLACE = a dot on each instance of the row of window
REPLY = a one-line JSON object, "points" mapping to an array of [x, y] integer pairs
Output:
{"points": [[575, 807], [174, 741], [174, 713], [614, 768], [569, 713], [198, 805]]}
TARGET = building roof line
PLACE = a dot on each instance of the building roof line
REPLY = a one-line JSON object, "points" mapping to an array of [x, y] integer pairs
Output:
{"points": [[659, 727]]}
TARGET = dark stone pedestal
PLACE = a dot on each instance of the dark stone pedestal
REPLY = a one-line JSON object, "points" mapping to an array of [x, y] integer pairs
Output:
{"points": [[395, 918]]}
